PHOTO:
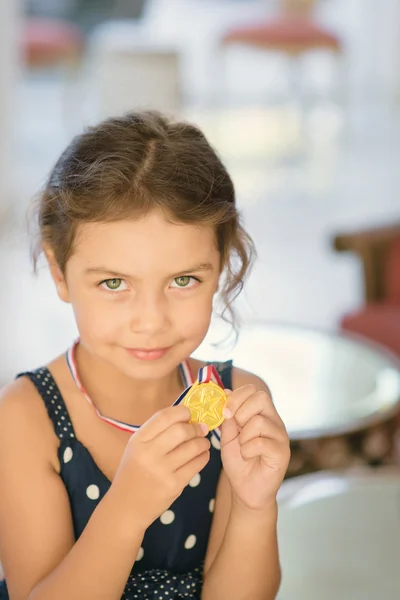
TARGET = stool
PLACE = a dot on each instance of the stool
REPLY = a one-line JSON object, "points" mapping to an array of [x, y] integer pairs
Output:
{"points": [[49, 43], [55, 44], [339, 535], [288, 35]]}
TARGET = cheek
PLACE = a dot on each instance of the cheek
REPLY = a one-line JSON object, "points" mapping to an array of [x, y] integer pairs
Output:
{"points": [[193, 318], [95, 318]]}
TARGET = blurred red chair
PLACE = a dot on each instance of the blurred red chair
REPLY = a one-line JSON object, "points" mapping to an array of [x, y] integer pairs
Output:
{"points": [[379, 251], [287, 34], [292, 33], [50, 43]]}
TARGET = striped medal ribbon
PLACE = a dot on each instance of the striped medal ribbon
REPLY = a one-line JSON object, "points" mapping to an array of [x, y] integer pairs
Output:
{"points": [[206, 374]]}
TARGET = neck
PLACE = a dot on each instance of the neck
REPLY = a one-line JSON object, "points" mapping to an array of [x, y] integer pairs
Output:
{"points": [[118, 396]]}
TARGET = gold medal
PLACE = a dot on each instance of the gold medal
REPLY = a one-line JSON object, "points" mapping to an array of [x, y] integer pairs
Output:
{"points": [[206, 402]]}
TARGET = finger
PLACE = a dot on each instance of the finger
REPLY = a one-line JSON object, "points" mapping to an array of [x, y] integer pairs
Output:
{"points": [[237, 398], [259, 403], [260, 447], [163, 419], [242, 395], [177, 434], [187, 452], [229, 431], [190, 469], [260, 426]]}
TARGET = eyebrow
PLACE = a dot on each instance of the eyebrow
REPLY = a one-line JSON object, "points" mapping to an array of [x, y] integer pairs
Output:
{"points": [[118, 275]]}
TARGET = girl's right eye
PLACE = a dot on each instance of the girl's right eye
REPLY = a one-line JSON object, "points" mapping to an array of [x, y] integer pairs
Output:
{"points": [[113, 285]]}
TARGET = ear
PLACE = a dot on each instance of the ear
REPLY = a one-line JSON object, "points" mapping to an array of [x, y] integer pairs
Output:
{"points": [[57, 275]]}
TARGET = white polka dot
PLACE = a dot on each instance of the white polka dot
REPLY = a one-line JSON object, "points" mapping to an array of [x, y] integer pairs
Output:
{"points": [[190, 542], [211, 506], [215, 442], [93, 492], [168, 517], [68, 454], [194, 482], [140, 554]]}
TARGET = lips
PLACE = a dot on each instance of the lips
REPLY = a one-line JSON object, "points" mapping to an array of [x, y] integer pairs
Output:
{"points": [[147, 353]]}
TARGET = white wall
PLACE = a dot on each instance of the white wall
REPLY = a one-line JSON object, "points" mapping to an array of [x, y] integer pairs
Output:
{"points": [[9, 23]]}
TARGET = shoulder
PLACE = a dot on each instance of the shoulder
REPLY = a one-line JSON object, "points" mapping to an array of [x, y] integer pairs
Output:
{"points": [[24, 423], [240, 377], [18, 401]]}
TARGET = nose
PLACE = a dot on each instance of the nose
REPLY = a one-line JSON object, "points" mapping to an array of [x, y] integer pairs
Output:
{"points": [[149, 313]]}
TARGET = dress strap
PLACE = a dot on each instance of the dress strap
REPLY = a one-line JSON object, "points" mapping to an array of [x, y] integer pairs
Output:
{"points": [[45, 384], [225, 372]]}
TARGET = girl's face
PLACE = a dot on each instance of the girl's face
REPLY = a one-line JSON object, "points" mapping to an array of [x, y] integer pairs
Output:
{"points": [[142, 291]]}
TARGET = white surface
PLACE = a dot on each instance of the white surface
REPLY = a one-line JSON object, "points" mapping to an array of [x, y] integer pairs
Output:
{"points": [[339, 537]]}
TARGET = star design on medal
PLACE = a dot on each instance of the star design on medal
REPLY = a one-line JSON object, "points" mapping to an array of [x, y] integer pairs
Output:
{"points": [[208, 407]]}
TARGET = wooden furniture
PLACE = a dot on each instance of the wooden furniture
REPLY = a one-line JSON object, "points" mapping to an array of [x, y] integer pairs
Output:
{"points": [[375, 248], [379, 251]]}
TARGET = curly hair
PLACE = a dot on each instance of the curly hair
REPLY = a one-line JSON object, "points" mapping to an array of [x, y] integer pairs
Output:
{"points": [[127, 166]]}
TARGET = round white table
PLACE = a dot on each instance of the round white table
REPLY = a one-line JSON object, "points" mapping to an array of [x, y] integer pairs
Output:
{"points": [[338, 396]]}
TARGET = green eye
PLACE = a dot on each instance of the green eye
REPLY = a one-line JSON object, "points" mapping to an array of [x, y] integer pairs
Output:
{"points": [[113, 284], [183, 281]]}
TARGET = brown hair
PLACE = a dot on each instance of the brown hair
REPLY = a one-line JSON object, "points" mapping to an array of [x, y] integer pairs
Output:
{"points": [[129, 165]]}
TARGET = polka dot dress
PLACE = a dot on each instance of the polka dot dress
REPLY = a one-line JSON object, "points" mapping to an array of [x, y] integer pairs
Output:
{"points": [[169, 562]]}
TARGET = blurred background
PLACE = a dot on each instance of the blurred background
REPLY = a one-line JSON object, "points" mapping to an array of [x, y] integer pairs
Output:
{"points": [[301, 98]]}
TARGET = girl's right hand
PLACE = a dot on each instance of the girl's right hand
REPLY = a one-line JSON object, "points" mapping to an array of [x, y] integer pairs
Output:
{"points": [[158, 463]]}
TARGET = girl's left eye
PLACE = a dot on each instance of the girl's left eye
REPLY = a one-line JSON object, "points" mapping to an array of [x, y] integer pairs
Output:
{"points": [[185, 281], [113, 285]]}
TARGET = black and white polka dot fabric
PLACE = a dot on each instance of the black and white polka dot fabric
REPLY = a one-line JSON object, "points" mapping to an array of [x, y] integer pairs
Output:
{"points": [[169, 562]]}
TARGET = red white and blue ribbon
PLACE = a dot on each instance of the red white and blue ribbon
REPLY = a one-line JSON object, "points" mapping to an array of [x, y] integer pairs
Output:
{"points": [[206, 374]]}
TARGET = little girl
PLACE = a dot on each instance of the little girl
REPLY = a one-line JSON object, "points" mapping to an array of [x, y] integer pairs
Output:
{"points": [[107, 490]]}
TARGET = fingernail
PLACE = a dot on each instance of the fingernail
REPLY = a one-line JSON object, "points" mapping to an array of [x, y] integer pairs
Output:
{"points": [[204, 428], [227, 413]]}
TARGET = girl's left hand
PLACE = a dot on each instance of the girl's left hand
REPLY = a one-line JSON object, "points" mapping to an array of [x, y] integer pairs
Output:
{"points": [[254, 447]]}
